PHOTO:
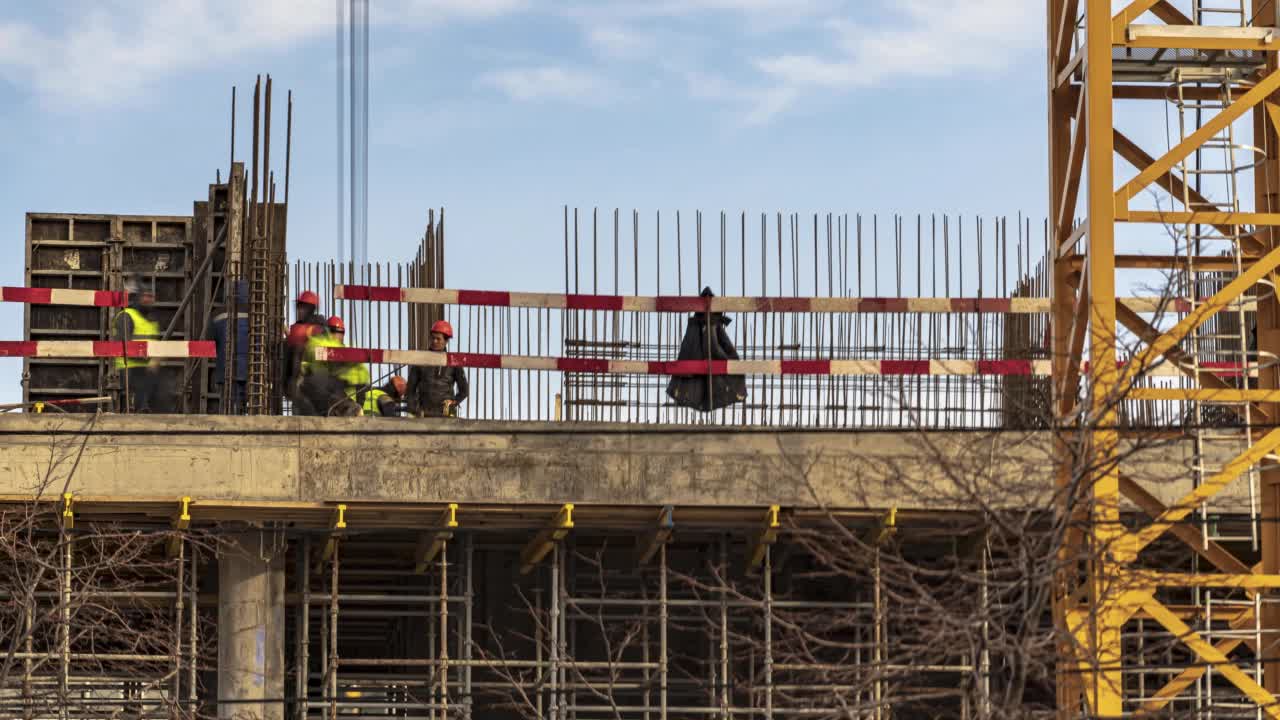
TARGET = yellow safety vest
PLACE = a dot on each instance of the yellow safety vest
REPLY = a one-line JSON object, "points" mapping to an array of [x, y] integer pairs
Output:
{"points": [[143, 329], [371, 402], [319, 340]]}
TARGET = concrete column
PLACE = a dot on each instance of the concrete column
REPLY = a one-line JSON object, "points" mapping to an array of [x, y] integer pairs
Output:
{"points": [[251, 627]]}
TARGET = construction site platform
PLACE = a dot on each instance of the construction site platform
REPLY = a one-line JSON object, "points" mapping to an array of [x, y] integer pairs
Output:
{"points": [[401, 473]]}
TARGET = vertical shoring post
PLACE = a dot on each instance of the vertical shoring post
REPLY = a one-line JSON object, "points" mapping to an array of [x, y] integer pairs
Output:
{"points": [[444, 629], [469, 595], [768, 632], [877, 633], [179, 605], [1105, 687], [193, 629], [537, 649], [662, 632], [331, 671], [724, 627], [303, 658], [64, 635], [984, 661], [28, 700], [553, 632]]}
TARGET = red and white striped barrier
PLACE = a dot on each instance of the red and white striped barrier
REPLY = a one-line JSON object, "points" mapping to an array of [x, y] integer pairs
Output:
{"points": [[681, 304], [62, 296], [166, 349], [427, 358]]}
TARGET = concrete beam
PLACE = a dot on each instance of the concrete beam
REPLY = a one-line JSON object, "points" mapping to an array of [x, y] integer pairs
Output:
{"points": [[282, 462]]}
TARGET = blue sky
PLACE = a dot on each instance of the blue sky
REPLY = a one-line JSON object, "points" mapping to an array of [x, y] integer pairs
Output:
{"points": [[503, 111]]}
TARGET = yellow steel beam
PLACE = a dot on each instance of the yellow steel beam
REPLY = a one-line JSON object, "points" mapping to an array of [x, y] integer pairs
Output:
{"points": [[1194, 539], [1151, 579], [1105, 687], [181, 522], [768, 535], [1062, 33], [430, 544], [1134, 10], [1133, 542], [1176, 187], [1201, 314], [1212, 127], [1184, 679], [546, 539], [1200, 37], [1211, 655], [1226, 219], [1070, 389], [659, 536], [1175, 355], [1075, 164], [1170, 14], [1210, 395]]}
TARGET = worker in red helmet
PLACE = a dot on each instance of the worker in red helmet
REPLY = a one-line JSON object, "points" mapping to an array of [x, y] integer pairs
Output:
{"points": [[385, 401], [437, 391], [329, 387], [307, 322]]}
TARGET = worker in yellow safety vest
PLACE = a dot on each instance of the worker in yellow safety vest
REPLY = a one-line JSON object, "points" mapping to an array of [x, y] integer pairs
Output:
{"points": [[385, 401], [329, 387], [142, 384]]}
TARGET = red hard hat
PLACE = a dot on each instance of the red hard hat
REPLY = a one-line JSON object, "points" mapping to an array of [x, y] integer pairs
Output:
{"points": [[444, 328], [335, 323], [399, 384], [309, 298]]}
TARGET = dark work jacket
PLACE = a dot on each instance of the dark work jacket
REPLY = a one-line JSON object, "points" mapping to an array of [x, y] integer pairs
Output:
{"points": [[293, 355], [429, 387], [691, 390], [220, 333]]}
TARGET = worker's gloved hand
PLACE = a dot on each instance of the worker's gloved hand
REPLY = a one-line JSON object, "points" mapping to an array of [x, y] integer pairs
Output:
{"points": [[153, 366]]}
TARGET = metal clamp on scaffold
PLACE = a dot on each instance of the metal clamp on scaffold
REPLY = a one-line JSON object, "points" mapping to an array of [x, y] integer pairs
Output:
{"points": [[768, 536], [661, 534], [430, 544], [336, 526], [181, 522], [546, 539]]}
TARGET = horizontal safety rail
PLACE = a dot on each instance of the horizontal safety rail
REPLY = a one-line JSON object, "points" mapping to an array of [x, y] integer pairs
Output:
{"points": [[428, 358], [163, 349], [694, 303], [62, 296]]}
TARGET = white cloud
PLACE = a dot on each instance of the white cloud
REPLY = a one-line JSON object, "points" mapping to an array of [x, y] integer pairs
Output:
{"points": [[930, 38], [115, 49], [617, 41], [547, 83]]}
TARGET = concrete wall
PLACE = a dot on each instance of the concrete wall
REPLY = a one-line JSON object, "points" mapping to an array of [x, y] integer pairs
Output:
{"points": [[278, 461]]}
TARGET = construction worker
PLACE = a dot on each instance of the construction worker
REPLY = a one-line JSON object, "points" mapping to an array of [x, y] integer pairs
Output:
{"points": [[437, 391], [385, 401], [141, 375], [307, 322], [354, 375], [328, 387]]}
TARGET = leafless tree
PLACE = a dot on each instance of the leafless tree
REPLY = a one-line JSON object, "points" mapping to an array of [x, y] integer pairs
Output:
{"points": [[95, 615]]}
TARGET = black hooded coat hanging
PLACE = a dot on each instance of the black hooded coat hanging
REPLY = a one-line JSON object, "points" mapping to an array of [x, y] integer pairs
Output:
{"points": [[701, 343]]}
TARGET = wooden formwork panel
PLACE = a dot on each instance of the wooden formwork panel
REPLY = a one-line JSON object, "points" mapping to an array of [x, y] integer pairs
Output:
{"points": [[99, 252]]}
